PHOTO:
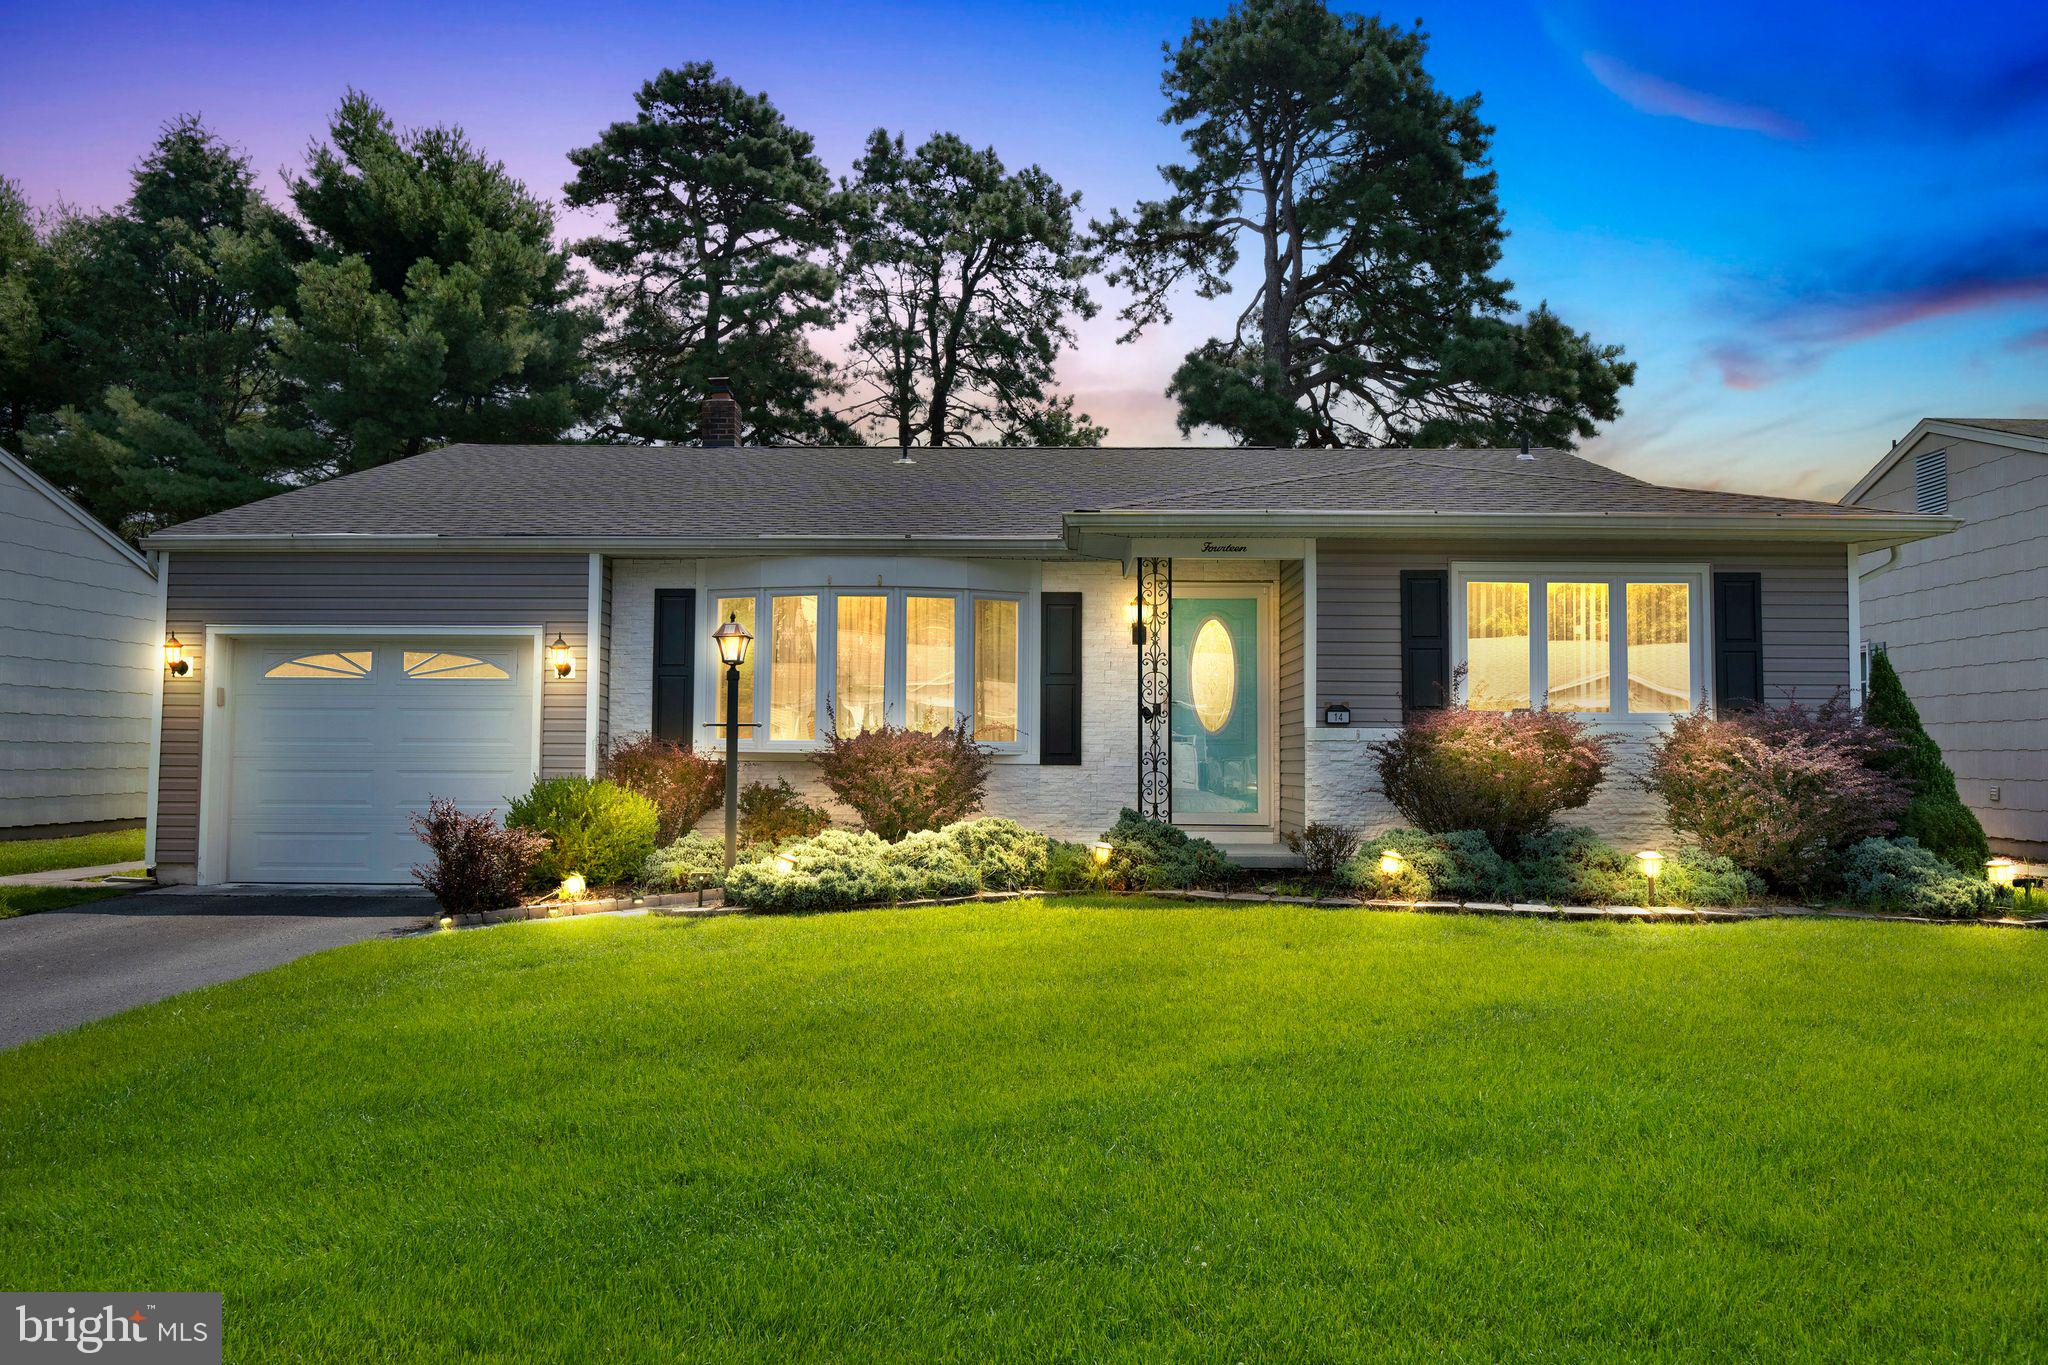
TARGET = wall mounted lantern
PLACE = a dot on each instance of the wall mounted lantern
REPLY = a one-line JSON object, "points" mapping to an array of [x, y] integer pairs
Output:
{"points": [[1337, 713], [175, 662], [560, 659], [1136, 619]]}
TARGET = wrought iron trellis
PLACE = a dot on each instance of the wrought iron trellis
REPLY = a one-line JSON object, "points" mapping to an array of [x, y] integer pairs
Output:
{"points": [[1155, 689]]}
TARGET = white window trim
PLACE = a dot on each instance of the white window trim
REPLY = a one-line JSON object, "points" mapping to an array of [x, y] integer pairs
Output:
{"points": [[1697, 577], [895, 657]]}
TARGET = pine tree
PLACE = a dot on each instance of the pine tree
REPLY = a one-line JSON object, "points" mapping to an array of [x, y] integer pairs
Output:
{"points": [[1936, 815], [437, 307], [1319, 141], [725, 224], [156, 339]]}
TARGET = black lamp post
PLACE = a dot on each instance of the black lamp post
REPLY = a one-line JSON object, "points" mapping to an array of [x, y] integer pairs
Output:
{"points": [[732, 640]]}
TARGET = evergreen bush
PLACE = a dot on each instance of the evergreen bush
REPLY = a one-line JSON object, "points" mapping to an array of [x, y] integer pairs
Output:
{"points": [[595, 828], [1935, 815]]}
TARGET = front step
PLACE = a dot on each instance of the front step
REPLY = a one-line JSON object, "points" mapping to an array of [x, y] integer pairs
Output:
{"points": [[1256, 849]]}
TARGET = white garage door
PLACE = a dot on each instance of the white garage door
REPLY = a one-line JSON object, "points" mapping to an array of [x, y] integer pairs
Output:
{"points": [[336, 741]]}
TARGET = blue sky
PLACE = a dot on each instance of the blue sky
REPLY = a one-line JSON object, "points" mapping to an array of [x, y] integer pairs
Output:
{"points": [[1808, 224]]}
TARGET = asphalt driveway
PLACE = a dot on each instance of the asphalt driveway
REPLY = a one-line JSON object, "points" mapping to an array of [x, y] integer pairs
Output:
{"points": [[62, 968]]}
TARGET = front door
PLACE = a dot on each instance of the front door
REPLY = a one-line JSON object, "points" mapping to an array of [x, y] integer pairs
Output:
{"points": [[1222, 705]]}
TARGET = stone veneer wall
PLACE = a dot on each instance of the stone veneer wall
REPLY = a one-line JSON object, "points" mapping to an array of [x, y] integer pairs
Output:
{"points": [[1071, 802]]}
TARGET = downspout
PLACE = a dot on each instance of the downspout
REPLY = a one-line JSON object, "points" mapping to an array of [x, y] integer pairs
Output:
{"points": [[1858, 576]]}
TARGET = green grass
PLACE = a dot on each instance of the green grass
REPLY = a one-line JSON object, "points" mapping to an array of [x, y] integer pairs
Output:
{"points": [[27, 900], [84, 850], [1069, 1131]]}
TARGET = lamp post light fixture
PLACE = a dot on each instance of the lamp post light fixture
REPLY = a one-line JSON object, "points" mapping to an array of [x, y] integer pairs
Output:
{"points": [[2002, 871], [559, 657], [175, 662], [1650, 862], [732, 640]]}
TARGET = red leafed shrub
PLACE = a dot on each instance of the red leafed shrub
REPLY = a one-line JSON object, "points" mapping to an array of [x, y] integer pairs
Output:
{"points": [[1780, 791], [899, 780], [683, 785], [1508, 774], [478, 865]]}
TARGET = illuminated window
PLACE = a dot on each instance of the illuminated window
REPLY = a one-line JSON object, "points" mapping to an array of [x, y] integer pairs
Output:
{"points": [[928, 663], [742, 608], [995, 670], [352, 663], [1659, 647], [859, 664], [431, 664], [793, 669], [1212, 675], [1497, 648], [1550, 638], [1577, 636]]}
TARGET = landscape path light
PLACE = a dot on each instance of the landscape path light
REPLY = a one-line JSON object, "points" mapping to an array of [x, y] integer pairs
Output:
{"points": [[1651, 862], [1391, 862], [2002, 871]]}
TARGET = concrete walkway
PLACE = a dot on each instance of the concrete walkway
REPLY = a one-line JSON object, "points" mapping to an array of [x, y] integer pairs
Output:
{"points": [[72, 876], [63, 968]]}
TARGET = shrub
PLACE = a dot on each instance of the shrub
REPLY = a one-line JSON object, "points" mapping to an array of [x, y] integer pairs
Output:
{"points": [[840, 868], [683, 786], [1147, 854], [1578, 867], [1779, 791], [899, 780], [1505, 773], [594, 827], [477, 865], [1934, 814], [1070, 867], [1457, 866], [773, 812], [1008, 856], [1323, 848], [690, 863], [1902, 876]]}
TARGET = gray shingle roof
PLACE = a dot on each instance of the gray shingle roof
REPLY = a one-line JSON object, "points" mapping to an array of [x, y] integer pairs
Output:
{"points": [[2011, 426], [984, 491]]}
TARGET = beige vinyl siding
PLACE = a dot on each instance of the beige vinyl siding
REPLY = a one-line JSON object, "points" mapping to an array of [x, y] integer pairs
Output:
{"points": [[550, 593], [1358, 610], [1293, 653], [1964, 618]]}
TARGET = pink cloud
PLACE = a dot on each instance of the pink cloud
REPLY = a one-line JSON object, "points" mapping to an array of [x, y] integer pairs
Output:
{"points": [[1655, 95], [2030, 341]]}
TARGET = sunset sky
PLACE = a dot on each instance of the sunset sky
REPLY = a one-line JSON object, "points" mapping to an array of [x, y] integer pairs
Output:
{"points": [[1811, 225]]}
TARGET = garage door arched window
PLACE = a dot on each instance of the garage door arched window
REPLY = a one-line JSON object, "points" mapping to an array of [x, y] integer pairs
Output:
{"points": [[342, 664], [437, 665]]}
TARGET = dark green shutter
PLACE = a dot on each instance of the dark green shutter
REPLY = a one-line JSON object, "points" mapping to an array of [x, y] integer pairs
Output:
{"points": [[1059, 678], [1738, 641], [1425, 639], [675, 658]]}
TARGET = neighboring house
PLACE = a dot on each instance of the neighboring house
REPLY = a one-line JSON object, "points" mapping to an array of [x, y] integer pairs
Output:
{"points": [[80, 653], [1965, 618], [363, 644]]}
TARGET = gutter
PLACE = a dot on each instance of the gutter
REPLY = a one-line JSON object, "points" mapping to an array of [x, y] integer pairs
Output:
{"points": [[1012, 547], [1877, 530]]}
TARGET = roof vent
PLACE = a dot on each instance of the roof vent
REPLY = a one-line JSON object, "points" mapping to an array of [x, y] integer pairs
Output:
{"points": [[1524, 454], [903, 453]]}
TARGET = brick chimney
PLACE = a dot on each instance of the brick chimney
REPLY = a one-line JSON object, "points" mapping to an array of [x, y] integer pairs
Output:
{"points": [[718, 417]]}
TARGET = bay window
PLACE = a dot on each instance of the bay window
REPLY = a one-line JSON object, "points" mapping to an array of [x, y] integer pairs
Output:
{"points": [[856, 658], [1618, 642]]}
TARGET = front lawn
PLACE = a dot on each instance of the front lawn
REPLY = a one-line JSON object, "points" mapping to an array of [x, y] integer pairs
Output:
{"points": [[1075, 1131], [83, 850]]}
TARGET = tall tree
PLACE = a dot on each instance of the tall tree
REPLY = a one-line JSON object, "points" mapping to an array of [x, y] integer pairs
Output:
{"points": [[22, 282], [963, 281], [720, 256], [156, 318], [437, 307], [1364, 195]]}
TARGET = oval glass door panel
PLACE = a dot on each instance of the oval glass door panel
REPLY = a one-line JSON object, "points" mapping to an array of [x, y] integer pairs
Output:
{"points": [[1212, 675], [1217, 725]]}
